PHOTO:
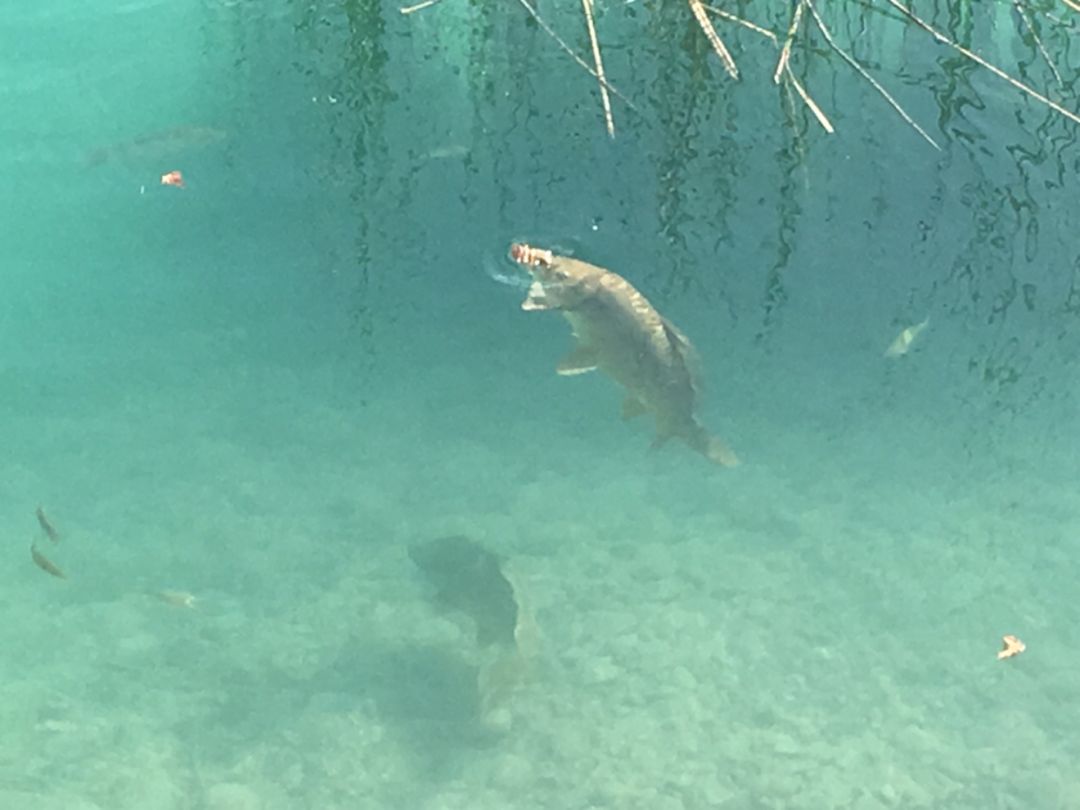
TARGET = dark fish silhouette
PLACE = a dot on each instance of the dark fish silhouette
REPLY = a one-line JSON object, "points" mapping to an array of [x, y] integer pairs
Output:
{"points": [[470, 579], [154, 146], [45, 564], [46, 525]]}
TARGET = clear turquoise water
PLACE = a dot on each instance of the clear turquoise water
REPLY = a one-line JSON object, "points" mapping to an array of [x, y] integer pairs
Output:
{"points": [[262, 388]]}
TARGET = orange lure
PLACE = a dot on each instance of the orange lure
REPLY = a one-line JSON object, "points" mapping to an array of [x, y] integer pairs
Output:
{"points": [[173, 178]]}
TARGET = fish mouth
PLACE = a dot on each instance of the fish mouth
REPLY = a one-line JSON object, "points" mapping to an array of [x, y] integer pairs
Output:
{"points": [[531, 257], [538, 263]]}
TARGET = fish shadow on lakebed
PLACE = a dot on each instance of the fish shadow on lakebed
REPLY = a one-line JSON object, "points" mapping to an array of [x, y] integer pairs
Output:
{"points": [[428, 694], [425, 698], [432, 701]]}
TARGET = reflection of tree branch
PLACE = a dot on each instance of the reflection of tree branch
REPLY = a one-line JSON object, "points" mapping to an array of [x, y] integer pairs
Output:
{"points": [[727, 15], [862, 72], [822, 119], [698, 10], [418, 6], [783, 67], [685, 94], [590, 24], [570, 52], [1005, 311], [1030, 25], [776, 295], [789, 38], [1071, 305], [974, 57], [366, 64]]}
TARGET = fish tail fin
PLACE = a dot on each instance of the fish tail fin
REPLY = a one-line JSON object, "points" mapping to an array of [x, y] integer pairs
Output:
{"points": [[499, 678], [712, 447], [719, 453]]}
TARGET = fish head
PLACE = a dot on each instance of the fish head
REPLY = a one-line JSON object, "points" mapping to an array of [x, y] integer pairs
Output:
{"points": [[558, 282]]}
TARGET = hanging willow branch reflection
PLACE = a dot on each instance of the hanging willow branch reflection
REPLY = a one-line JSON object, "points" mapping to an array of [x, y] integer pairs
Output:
{"points": [[659, 56]]}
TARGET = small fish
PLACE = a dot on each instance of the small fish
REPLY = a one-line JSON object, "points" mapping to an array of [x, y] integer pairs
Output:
{"points": [[173, 178], [620, 333], [902, 344], [1011, 646], [155, 146], [46, 525], [181, 599], [46, 565]]}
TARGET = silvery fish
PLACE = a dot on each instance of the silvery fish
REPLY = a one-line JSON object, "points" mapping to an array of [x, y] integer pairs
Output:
{"points": [[903, 342]]}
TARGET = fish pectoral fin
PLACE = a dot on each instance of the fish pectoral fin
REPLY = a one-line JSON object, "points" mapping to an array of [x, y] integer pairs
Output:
{"points": [[631, 407], [536, 299], [581, 360]]}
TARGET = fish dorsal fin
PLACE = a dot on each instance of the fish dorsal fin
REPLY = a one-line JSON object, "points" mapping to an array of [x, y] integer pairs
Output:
{"points": [[682, 346], [676, 336]]}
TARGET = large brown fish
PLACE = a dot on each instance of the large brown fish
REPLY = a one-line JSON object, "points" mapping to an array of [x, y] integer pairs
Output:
{"points": [[619, 332]]}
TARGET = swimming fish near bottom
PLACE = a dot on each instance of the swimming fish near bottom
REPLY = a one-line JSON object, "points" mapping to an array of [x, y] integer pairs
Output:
{"points": [[619, 332], [903, 342], [470, 579], [484, 586]]}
